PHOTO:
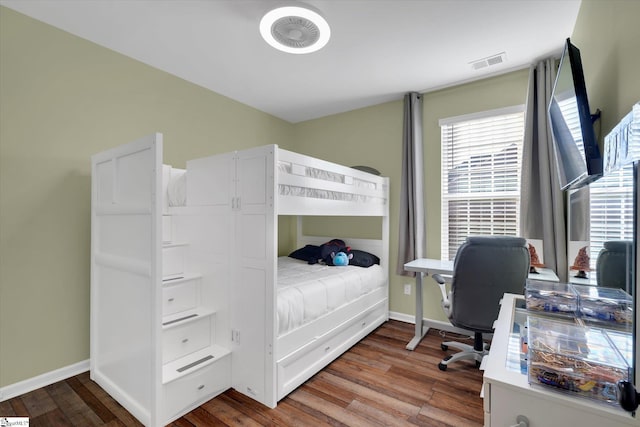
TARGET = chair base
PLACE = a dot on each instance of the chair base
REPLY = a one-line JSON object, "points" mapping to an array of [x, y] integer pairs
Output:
{"points": [[468, 352]]}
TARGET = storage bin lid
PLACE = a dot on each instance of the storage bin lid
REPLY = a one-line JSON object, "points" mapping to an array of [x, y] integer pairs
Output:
{"points": [[601, 293], [547, 288]]}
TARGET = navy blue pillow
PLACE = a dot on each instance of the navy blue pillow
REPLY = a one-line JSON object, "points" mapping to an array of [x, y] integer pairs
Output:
{"points": [[310, 254], [363, 259]]}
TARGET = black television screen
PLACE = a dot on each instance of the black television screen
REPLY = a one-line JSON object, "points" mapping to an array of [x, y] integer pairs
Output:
{"points": [[577, 153]]}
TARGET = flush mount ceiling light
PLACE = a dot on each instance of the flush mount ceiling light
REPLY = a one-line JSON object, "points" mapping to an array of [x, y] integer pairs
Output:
{"points": [[295, 29]]}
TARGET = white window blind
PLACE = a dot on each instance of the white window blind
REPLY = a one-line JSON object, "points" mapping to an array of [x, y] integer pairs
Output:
{"points": [[481, 162], [611, 210]]}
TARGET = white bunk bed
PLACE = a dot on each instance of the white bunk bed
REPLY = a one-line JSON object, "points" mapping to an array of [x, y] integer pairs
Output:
{"points": [[160, 346], [269, 181]]}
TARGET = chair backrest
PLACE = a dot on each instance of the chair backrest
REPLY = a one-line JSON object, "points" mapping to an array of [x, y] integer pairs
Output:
{"points": [[484, 269], [614, 265]]}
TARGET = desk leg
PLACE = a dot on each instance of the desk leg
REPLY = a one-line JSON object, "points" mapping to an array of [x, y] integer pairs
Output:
{"points": [[420, 330]]}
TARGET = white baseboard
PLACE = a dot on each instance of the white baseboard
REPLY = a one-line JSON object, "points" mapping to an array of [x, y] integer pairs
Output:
{"points": [[22, 387], [402, 317]]}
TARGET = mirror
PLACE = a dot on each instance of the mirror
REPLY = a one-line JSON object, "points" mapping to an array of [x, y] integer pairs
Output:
{"points": [[601, 239], [601, 232]]}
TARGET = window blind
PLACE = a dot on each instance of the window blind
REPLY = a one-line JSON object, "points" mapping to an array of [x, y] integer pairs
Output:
{"points": [[481, 162], [611, 210]]}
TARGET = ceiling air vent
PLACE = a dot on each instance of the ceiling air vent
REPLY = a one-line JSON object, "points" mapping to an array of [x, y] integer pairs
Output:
{"points": [[489, 61]]}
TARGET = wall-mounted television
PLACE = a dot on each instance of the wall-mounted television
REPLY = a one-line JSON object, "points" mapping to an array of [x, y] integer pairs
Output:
{"points": [[578, 156]]}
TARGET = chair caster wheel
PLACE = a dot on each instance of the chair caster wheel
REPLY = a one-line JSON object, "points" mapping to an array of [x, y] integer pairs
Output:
{"points": [[442, 366], [444, 347]]}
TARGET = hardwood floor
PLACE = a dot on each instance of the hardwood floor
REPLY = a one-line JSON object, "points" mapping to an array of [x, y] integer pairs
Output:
{"points": [[376, 383]]}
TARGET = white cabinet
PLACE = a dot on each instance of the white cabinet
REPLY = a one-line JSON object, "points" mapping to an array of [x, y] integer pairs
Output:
{"points": [[507, 393], [244, 196], [160, 333]]}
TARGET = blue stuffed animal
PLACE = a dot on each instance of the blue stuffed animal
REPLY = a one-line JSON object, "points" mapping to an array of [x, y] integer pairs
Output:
{"points": [[340, 258]]}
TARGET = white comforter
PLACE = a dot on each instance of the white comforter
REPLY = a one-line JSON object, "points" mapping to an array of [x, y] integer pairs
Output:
{"points": [[306, 292]]}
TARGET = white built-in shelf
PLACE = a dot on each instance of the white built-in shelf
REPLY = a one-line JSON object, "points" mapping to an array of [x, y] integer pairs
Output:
{"points": [[184, 317], [174, 280], [185, 365]]}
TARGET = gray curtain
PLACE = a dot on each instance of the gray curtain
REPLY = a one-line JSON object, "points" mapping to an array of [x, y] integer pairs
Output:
{"points": [[412, 239], [542, 208]]}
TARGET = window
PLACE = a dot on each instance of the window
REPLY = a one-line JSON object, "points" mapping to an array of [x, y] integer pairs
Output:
{"points": [[481, 163]]}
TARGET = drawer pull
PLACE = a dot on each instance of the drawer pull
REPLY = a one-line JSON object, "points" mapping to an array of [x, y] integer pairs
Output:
{"points": [[327, 348], [186, 340], [170, 300], [522, 421], [364, 324], [201, 387]]}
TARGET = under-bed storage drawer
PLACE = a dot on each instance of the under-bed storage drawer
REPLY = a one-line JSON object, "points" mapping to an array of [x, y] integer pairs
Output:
{"points": [[296, 367], [179, 297], [190, 391], [181, 340]]}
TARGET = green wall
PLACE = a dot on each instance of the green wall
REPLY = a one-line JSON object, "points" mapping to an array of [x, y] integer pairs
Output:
{"points": [[608, 36], [63, 99]]}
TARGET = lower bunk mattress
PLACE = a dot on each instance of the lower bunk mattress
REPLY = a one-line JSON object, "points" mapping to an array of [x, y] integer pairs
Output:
{"points": [[308, 292]]}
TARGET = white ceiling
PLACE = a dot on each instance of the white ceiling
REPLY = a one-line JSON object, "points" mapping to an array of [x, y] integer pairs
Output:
{"points": [[379, 49]]}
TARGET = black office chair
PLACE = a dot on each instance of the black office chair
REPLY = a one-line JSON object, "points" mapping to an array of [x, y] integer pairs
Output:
{"points": [[484, 269], [613, 267]]}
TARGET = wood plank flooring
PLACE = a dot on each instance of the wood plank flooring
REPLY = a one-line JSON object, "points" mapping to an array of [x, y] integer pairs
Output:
{"points": [[376, 383]]}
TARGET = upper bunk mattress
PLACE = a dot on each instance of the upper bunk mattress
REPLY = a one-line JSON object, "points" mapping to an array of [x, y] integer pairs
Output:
{"points": [[306, 292]]}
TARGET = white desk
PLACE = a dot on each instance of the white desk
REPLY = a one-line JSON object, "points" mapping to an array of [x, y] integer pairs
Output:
{"points": [[427, 266], [507, 392], [545, 274]]}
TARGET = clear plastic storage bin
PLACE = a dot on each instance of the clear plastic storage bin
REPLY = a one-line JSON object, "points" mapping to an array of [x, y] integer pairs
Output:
{"points": [[612, 306], [551, 297], [574, 359]]}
